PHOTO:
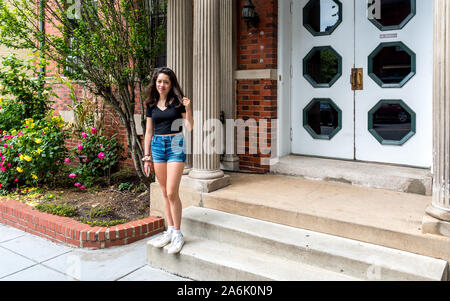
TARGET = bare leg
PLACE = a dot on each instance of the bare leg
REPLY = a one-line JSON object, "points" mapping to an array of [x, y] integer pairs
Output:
{"points": [[174, 174], [161, 175]]}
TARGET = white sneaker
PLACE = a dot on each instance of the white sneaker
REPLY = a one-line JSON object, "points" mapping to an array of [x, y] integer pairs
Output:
{"points": [[177, 244], [162, 240]]}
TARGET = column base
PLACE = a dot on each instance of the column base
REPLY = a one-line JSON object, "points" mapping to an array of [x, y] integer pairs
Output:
{"points": [[230, 163], [206, 174], [438, 213], [436, 221], [205, 185], [431, 225]]}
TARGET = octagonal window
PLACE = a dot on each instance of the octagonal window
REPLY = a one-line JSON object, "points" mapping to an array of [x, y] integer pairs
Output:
{"points": [[392, 122], [322, 66], [391, 14], [392, 65], [322, 118], [322, 17]]}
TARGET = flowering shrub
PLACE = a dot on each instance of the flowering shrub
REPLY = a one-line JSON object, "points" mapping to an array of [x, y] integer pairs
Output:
{"points": [[33, 154], [97, 155]]}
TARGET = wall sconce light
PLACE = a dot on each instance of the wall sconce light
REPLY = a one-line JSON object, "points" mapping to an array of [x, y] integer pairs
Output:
{"points": [[249, 14]]}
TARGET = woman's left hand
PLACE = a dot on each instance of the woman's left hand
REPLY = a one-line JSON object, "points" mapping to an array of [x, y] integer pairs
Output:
{"points": [[186, 102]]}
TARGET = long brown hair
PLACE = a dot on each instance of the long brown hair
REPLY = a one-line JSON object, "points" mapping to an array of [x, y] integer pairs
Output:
{"points": [[151, 94]]}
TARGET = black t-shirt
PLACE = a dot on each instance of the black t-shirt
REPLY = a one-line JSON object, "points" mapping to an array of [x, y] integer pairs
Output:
{"points": [[169, 121]]}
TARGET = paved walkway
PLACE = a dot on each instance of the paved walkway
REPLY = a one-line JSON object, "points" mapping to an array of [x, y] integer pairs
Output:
{"points": [[25, 257]]}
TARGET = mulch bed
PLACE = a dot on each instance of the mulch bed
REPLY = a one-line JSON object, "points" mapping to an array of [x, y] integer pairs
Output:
{"points": [[119, 204], [113, 203]]}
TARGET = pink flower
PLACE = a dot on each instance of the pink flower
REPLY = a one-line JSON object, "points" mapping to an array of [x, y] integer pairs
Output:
{"points": [[67, 160], [84, 135], [94, 131], [83, 187], [0, 185], [77, 184], [2, 168], [80, 146], [86, 160], [72, 176], [3, 158], [101, 155], [9, 164], [101, 145], [5, 145], [16, 180]]}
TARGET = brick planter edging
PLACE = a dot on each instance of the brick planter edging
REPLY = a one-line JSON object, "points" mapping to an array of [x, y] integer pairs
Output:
{"points": [[68, 231]]}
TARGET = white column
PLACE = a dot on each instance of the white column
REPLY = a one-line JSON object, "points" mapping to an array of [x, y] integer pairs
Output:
{"points": [[228, 62], [179, 54], [206, 173], [437, 220]]}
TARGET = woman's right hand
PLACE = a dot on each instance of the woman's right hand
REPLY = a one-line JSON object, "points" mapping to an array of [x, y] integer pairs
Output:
{"points": [[147, 168]]}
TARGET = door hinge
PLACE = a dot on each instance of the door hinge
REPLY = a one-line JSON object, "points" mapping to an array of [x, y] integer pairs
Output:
{"points": [[290, 6], [291, 70], [291, 135]]}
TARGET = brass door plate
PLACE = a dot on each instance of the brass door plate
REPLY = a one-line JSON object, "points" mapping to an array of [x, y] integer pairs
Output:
{"points": [[356, 79]]}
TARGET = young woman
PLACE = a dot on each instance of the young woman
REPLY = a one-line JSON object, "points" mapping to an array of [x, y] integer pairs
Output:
{"points": [[167, 111]]}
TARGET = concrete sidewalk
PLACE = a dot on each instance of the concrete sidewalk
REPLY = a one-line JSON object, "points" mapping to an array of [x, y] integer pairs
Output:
{"points": [[25, 257]]}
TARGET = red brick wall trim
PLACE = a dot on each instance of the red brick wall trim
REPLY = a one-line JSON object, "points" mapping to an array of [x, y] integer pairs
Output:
{"points": [[71, 232]]}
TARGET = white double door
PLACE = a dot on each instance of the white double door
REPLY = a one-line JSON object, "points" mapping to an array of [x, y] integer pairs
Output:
{"points": [[390, 119]]}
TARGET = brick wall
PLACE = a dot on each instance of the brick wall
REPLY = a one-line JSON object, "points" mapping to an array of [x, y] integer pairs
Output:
{"points": [[257, 99]]}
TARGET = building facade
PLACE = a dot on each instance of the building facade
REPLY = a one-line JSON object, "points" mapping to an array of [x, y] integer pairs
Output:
{"points": [[348, 80], [360, 81]]}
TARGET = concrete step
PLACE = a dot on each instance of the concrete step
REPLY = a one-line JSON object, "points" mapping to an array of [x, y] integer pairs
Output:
{"points": [[209, 260], [223, 246], [376, 175], [376, 216]]}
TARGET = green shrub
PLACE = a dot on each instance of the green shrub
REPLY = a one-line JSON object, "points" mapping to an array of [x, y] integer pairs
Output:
{"points": [[61, 209], [100, 212], [31, 93], [12, 114], [125, 174], [102, 223], [125, 186], [140, 188], [50, 197]]}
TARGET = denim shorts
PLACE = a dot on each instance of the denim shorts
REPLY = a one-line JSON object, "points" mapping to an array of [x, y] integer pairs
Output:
{"points": [[167, 149]]}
